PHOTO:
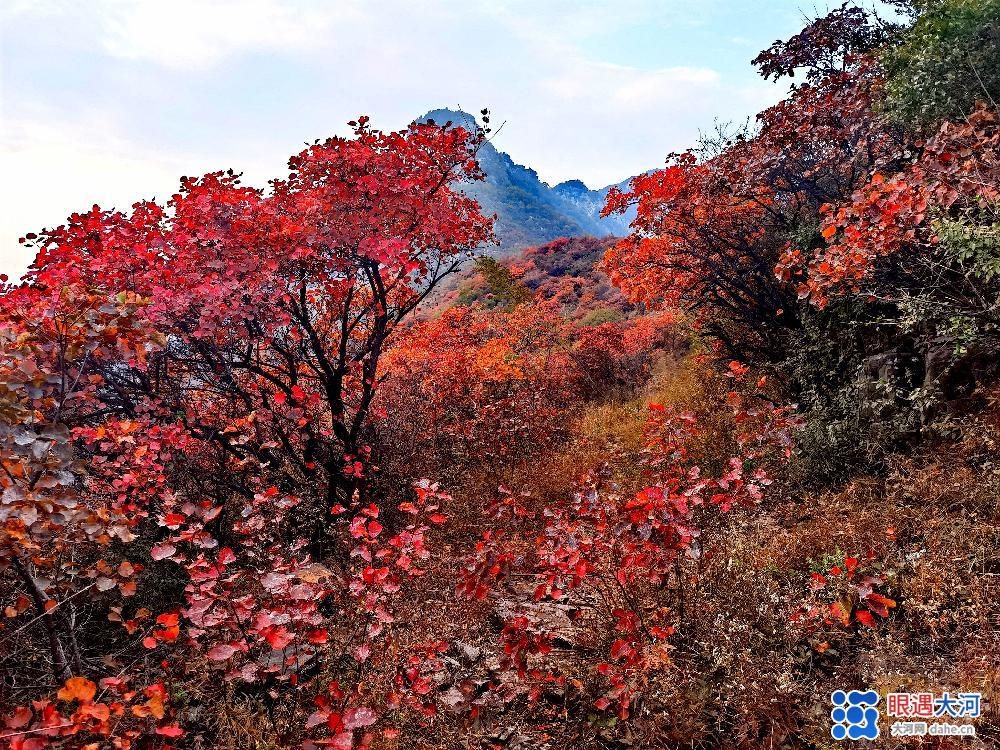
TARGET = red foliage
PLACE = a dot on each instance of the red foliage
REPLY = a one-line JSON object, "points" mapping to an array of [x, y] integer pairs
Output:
{"points": [[490, 387], [475, 385], [844, 596], [619, 548], [829, 44], [890, 217], [567, 272], [192, 383], [711, 226]]}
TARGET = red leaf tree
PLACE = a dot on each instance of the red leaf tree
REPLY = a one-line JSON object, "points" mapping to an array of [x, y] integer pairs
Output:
{"points": [[711, 226], [191, 384]]}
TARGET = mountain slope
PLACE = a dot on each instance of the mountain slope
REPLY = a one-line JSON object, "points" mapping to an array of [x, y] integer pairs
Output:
{"points": [[529, 211]]}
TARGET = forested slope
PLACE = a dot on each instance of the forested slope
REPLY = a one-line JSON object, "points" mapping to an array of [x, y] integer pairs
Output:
{"points": [[265, 485]]}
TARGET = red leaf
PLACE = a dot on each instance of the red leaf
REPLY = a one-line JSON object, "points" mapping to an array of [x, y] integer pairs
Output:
{"points": [[162, 551], [362, 652], [879, 604], [620, 648], [79, 689], [359, 717], [22, 715], [317, 717], [865, 618], [173, 520], [279, 637], [221, 652], [318, 636]]}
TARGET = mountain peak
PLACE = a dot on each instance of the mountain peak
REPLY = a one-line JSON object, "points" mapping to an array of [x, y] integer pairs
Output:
{"points": [[456, 117], [529, 211], [572, 187]]}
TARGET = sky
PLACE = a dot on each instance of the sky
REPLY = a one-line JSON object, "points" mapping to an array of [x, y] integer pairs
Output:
{"points": [[111, 101]]}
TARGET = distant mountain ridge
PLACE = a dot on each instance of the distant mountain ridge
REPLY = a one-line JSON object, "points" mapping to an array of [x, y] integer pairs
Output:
{"points": [[529, 211]]}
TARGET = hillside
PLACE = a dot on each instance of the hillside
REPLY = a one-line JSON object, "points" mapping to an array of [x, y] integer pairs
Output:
{"points": [[727, 481], [564, 273], [529, 211]]}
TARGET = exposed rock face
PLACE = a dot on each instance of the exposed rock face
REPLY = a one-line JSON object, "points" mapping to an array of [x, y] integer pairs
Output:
{"points": [[529, 211]]}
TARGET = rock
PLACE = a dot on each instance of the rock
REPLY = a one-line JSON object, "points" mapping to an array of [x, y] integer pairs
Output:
{"points": [[469, 652], [452, 698], [549, 617]]}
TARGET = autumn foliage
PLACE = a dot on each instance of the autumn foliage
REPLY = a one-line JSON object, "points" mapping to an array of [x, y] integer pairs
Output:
{"points": [[185, 389], [270, 478], [890, 222], [711, 226]]}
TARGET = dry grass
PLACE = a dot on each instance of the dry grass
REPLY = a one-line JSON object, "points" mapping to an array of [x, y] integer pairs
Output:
{"points": [[738, 674]]}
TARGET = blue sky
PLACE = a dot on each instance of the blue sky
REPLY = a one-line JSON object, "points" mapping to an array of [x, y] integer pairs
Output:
{"points": [[109, 101]]}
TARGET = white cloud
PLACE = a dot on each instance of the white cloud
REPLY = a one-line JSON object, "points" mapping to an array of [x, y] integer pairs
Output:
{"points": [[200, 33], [640, 89], [186, 86], [57, 168]]}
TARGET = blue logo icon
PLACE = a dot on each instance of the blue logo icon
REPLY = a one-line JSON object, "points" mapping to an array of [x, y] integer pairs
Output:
{"points": [[854, 715]]}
